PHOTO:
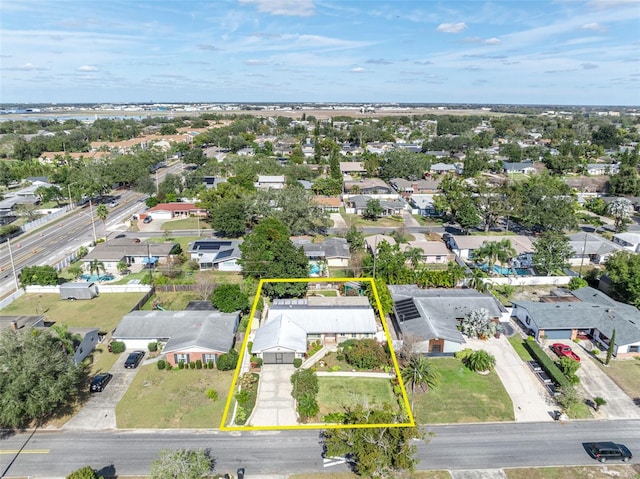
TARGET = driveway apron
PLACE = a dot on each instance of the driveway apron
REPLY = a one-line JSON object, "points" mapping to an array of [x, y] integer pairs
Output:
{"points": [[274, 404]]}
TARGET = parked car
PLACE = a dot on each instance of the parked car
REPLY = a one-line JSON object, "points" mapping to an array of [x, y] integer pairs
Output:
{"points": [[564, 350], [100, 382], [134, 359], [603, 451], [113, 204], [147, 219]]}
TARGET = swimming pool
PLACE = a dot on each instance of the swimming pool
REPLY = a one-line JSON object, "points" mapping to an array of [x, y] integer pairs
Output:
{"points": [[506, 271]]}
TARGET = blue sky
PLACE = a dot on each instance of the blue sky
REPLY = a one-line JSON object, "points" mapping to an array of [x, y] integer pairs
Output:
{"points": [[537, 52]]}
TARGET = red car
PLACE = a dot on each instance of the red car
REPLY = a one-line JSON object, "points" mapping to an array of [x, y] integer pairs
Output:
{"points": [[564, 350]]}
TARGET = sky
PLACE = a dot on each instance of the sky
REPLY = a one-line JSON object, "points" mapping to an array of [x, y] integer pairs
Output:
{"points": [[563, 52]]}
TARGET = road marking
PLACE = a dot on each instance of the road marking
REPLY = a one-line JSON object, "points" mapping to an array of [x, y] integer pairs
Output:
{"points": [[333, 461], [25, 451]]}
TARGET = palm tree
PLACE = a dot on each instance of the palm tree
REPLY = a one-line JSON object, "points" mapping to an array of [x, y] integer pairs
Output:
{"points": [[422, 373], [102, 212], [476, 281], [481, 361], [96, 266], [414, 256], [495, 251]]}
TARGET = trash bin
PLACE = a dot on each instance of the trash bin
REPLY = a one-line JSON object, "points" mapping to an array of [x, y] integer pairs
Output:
{"points": [[240, 473]]}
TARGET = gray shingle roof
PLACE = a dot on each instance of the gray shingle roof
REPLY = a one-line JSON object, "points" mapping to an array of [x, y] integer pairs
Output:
{"points": [[329, 248], [597, 310]]}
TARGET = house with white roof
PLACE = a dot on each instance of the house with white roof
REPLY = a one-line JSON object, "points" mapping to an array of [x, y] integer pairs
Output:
{"points": [[629, 241], [290, 324], [266, 182]]}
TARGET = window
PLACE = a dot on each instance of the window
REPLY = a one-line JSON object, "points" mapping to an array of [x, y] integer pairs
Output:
{"points": [[634, 349], [208, 357], [353, 336], [181, 358], [436, 348], [528, 320]]}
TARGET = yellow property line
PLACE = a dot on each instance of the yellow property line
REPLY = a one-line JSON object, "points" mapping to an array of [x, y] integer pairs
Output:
{"points": [[25, 451]]}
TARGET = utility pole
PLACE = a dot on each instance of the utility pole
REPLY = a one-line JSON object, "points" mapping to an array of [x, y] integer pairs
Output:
{"points": [[149, 264], [93, 223], [13, 266]]}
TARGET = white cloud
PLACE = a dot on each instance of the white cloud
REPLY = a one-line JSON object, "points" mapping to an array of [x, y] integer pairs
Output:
{"points": [[28, 67], [358, 70], [452, 27], [492, 41], [290, 8], [594, 26], [87, 68], [484, 41], [255, 62]]}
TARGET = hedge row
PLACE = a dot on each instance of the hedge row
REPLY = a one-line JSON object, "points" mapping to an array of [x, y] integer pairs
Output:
{"points": [[546, 362]]}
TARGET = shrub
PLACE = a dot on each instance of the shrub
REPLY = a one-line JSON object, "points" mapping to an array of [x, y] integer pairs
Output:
{"points": [[243, 396], [480, 361], [577, 283], [181, 365], [304, 381], [297, 362], [249, 346], [198, 364], [228, 361], [463, 354], [366, 354], [85, 472], [161, 364], [334, 417], [212, 394], [205, 365], [241, 415], [340, 357], [153, 347], [211, 364], [117, 347], [192, 365], [308, 406], [545, 361]]}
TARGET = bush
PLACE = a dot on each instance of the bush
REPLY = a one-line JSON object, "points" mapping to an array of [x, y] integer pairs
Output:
{"points": [[117, 347], [366, 354], [340, 357], [181, 365], [212, 394], [192, 365], [161, 364], [480, 361], [463, 354], [153, 347], [249, 346], [241, 415], [545, 361], [85, 472], [577, 283], [297, 362], [205, 365], [243, 396], [211, 364], [334, 417], [229, 361], [198, 364], [304, 381]]}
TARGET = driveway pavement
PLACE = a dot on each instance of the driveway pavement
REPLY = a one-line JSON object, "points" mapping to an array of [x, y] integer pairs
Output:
{"points": [[100, 411], [530, 400], [338, 220], [595, 383], [274, 405]]}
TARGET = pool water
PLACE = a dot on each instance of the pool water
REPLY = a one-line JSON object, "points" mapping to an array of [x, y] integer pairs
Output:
{"points": [[506, 271]]}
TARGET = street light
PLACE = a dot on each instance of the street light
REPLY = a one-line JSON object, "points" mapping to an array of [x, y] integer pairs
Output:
{"points": [[93, 223]]}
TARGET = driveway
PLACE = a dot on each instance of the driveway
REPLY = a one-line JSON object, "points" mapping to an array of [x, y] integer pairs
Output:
{"points": [[99, 412], [530, 399], [595, 383], [274, 405], [338, 220]]}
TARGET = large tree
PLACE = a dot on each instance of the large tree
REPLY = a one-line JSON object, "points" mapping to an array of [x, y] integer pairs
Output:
{"points": [[182, 464], [267, 252], [547, 204], [39, 275], [377, 452], [551, 253], [229, 298], [495, 252], [39, 377], [623, 270], [228, 217], [621, 209]]}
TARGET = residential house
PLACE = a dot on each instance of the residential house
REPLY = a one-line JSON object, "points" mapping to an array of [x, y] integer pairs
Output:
{"points": [[423, 205], [629, 241], [358, 205], [291, 324], [523, 167], [246, 152], [443, 168], [428, 319], [408, 188], [222, 255], [186, 336], [331, 204], [333, 251], [464, 245], [372, 243], [432, 252], [276, 182], [589, 248], [368, 186], [437, 153], [583, 313], [596, 169], [129, 251], [169, 211], [212, 181], [352, 168]]}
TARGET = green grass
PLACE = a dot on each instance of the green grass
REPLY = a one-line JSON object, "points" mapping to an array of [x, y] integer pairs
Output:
{"points": [[104, 311], [355, 220], [190, 223], [517, 342], [173, 399], [102, 360], [351, 475], [574, 472], [337, 393], [625, 373], [324, 292], [463, 396]]}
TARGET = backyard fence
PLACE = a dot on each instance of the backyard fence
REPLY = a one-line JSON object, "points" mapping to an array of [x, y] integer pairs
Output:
{"points": [[45, 219], [529, 280]]}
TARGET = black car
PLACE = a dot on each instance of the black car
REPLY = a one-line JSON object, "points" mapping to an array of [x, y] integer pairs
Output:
{"points": [[134, 359], [100, 382], [603, 451], [147, 219]]}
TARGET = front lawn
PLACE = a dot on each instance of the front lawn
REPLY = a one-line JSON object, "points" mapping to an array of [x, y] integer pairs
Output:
{"points": [[338, 393], [190, 223], [574, 472], [626, 374], [385, 221], [173, 399], [463, 396], [104, 311]]}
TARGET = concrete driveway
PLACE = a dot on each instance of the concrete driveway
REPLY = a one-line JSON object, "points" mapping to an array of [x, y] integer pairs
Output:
{"points": [[530, 399], [274, 404], [595, 383], [99, 412]]}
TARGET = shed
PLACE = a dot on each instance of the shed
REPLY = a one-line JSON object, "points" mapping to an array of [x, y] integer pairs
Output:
{"points": [[78, 290]]}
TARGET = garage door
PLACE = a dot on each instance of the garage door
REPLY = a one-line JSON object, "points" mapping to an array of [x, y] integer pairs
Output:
{"points": [[558, 333], [278, 358]]}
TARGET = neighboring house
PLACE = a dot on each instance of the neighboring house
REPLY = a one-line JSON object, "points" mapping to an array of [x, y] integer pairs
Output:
{"points": [[429, 318], [591, 248], [372, 243], [603, 168], [352, 168], [464, 245], [331, 204], [368, 186], [523, 167], [409, 188], [423, 205], [335, 251], [437, 153], [585, 312], [130, 251], [212, 181], [169, 211], [246, 152], [629, 241], [186, 335], [358, 205], [222, 255], [433, 252], [291, 323], [276, 182], [440, 168]]}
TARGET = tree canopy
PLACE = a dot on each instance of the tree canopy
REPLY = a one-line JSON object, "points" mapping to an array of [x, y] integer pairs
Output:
{"points": [[623, 270], [182, 464]]}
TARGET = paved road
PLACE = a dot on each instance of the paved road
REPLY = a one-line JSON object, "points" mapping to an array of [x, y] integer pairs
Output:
{"points": [[452, 447]]}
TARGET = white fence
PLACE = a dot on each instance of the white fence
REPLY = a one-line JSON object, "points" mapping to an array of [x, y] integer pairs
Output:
{"points": [[11, 298], [530, 280], [45, 219], [102, 289]]}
